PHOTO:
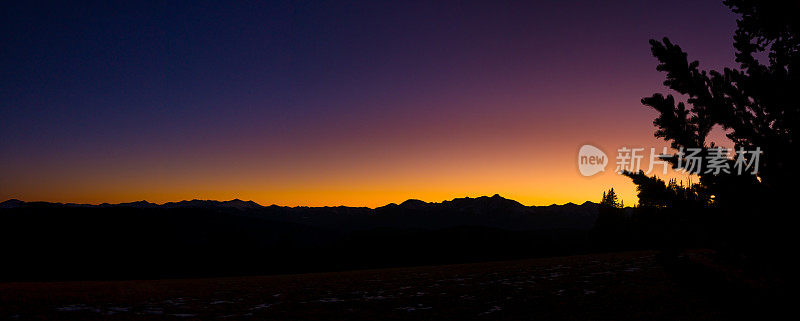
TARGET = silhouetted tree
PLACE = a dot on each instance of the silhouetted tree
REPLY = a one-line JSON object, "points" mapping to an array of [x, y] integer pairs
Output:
{"points": [[654, 192], [759, 107], [611, 229], [757, 104], [610, 199]]}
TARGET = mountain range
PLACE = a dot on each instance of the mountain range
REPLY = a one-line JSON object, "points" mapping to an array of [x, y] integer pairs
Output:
{"points": [[495, 211], [41, 240]]}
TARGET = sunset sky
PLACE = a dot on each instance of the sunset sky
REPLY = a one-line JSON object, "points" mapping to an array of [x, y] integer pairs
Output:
{"points": [[360, 103]]}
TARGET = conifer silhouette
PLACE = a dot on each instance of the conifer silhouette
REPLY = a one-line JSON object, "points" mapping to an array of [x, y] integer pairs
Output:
{"points": [[757, 104]]}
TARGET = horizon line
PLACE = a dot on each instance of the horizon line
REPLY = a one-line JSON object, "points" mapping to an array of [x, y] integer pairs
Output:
{"points": [[273, 204]]}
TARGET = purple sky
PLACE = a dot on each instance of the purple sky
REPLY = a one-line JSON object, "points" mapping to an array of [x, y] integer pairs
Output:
{"points": [[357, 103]]}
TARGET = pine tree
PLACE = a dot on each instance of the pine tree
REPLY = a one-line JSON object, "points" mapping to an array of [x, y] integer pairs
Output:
{"points": [[610, 199], [758, 104]]}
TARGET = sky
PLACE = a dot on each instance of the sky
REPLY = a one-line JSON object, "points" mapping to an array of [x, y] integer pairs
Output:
{"points": [[358, 103]]}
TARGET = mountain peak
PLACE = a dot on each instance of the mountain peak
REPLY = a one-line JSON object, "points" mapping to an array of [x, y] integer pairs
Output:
{"points": [[12, 203], [234, 203], [413, 204], [240, 204]]}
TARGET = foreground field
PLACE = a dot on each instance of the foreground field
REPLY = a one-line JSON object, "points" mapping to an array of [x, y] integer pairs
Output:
{"points": [[621, 286]]}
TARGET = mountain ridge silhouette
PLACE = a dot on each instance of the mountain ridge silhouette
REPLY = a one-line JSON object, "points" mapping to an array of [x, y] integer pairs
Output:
{"points": [[206, 237], [250, 204], [486, 211]]}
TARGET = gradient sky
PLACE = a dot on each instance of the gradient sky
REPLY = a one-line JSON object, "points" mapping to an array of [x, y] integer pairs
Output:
{"points": [[358, 103]]}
